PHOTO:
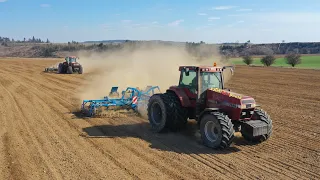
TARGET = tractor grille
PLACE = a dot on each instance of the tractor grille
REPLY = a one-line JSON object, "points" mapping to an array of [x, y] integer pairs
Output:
{"points": [[246, 113]]}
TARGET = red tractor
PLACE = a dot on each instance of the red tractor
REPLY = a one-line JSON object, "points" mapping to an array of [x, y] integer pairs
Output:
{"points": [[201, 95], [70, 66]]}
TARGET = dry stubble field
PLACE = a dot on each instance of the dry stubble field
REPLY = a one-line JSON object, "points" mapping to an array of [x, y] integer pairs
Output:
{"points": [[42, 139]]}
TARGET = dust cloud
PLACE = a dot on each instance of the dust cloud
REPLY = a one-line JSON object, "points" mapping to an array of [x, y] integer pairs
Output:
{"points": [[154, 65]]}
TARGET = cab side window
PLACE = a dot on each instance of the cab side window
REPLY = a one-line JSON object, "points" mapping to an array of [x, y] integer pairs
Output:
{"points": [[190, 81]]}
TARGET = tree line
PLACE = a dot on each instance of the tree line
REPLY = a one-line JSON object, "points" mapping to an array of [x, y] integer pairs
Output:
{"points": [[199, 50], [5, 40], [292, 51], [276, 48], [292, 58]]}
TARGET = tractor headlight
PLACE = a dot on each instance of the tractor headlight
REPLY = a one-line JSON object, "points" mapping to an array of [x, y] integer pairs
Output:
{"points": [[246, 106]]}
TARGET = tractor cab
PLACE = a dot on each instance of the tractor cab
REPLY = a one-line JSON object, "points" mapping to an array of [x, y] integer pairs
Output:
{"points": [[197, 79], [71, 59]]}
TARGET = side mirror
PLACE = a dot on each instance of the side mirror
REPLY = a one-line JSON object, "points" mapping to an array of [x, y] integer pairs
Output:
{"points": [[231, 69], [187, 71]]}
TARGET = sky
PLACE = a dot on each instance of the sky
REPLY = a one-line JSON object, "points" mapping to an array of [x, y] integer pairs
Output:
{"points": [[218, 21]]}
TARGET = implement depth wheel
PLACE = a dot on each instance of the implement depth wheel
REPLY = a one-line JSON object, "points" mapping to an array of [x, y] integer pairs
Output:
{"points": [[216, 130]]}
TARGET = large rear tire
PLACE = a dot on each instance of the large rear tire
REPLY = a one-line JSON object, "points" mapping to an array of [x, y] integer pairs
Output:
{"points": [[216, 130], [179, 114], [80, 70], [260, 114], [69, 70], [157, 113], [60, 68]]}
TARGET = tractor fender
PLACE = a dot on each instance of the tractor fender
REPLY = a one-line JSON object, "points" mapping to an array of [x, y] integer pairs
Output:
{"points": [[184, 99], [205, 111]]}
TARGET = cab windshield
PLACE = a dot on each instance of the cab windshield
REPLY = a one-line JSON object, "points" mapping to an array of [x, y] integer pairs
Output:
{"points": [[210, 80], [72, 59]]}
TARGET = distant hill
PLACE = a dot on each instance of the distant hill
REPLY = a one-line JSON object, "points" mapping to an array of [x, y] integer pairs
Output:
{"points": [[34, 47], [123, 41], [107, 41]]}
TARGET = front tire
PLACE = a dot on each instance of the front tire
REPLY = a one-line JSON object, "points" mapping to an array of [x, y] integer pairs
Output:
{"points": [[216, 130], [260, 114]]}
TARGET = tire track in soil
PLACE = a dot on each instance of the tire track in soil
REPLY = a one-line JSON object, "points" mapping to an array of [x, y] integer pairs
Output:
{"points": [[205, 160], [7, 169], [10, 164], [224, 165], [149, 160], [274, 146], [283, 156], [136, 151], [63, 100], [61, 137], [42, 154], [139, 148]]}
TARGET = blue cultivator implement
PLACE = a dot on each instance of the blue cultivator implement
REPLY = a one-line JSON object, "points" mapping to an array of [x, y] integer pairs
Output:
{"points": [[131, 98]]}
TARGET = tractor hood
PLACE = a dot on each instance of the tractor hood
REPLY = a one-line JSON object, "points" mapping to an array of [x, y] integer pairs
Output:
{"points": [[230, 98]]}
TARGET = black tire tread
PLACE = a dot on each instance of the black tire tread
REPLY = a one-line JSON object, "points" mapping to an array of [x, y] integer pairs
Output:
{"points": [[169, 110], [69, 70], [60, 68], [178, 114], [80, 69], [161, 99], [227, 129]]}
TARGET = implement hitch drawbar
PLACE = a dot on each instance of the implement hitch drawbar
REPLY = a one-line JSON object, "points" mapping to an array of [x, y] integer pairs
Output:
{"points": [[131, 98]]}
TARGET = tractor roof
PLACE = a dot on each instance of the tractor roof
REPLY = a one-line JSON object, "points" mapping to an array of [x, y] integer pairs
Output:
{"points": [[202, 68]]}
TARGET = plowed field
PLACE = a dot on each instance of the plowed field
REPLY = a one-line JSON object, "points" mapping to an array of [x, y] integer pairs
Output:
{"points": [[42, 139]]}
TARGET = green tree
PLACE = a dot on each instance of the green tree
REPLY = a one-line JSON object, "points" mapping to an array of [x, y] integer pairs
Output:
{"points": [[293, 59], [247, 59], [268, 60]]}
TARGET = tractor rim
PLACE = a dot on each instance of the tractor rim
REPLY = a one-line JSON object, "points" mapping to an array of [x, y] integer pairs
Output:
{"points": [[156, 113], [211, 131]]}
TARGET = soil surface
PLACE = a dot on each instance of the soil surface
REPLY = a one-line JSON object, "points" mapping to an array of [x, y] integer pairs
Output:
{"points": [[42, 138]]}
